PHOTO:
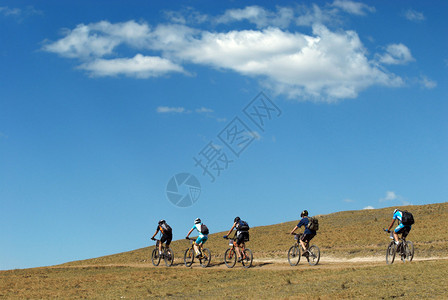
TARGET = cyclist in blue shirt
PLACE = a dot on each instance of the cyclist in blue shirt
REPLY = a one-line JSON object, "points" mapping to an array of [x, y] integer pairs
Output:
{"points": [[202, 238], [307, 235], [401, 228]]}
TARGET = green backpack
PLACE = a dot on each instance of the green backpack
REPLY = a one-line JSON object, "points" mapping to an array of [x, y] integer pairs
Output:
{"points": [[313, 223]]}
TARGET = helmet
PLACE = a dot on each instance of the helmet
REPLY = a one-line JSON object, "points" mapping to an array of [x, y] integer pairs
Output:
{"points": [[161, 222], [395, 210], [237, 219], [197, 221], [304, 213]]}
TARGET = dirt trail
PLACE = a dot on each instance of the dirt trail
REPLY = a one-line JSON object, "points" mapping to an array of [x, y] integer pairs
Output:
{"points": [[268, 263]]}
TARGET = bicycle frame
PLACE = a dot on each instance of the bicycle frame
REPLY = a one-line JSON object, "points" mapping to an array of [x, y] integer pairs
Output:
{"points": [[294, 253], [404, 248], [230, 254], [167, 253], [190, 254]]}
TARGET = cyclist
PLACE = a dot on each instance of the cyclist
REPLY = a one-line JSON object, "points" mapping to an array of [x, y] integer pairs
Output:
{"points": [[401, 228], [307, 235], [242, 234], [202, 238], [167, 235]]}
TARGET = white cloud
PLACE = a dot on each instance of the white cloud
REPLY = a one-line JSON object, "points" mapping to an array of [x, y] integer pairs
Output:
{"points": [[413, 15], [6, 11], [396, 54], [427, 83], [259, 16], [390, 196], [355, 8], [99, 39], [323, 66], [139, 67], [167, 109], [369, 207], [315, 15], [327, 64], [348, 200], [186, 16]]}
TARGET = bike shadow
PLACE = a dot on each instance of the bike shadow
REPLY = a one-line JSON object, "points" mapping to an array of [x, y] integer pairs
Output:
{"points": [[261, 264]]}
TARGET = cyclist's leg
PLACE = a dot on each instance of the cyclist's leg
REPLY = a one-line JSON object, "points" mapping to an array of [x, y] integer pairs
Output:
{"points": [[399, 229], [239, 240], [163, 239], [196, 246], [303, 242], [169, 238], [406, 230]]}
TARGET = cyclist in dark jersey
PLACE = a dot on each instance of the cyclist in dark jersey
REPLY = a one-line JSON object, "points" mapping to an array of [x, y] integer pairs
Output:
{"points": [[308, 234], [242, 235], [167, 234]]}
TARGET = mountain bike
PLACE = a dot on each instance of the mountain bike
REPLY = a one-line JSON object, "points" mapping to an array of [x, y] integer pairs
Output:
{"points": [[312, 253], [189, 256], [167, 255], [230, 255], [404, 248]]}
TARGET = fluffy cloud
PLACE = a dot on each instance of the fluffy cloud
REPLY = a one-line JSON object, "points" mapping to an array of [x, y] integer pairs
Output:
{"points": [[390, 196], [99, 39], [427, 83], [259, 16], [325, 65], [413, 15], [396, 54], [5, 10], [369, 207], [355, 8], [139, 66]]}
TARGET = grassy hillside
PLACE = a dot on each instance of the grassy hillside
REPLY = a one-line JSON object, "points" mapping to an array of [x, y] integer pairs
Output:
{"points": [[345, 234], [416, 280], [350, 234]]}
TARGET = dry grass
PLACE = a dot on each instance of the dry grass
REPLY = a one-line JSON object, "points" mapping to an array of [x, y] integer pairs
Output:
{"points": [[425, 279], [344, 234]]}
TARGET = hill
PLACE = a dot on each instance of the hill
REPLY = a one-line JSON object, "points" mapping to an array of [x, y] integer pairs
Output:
{"points": [[346, 234], [350, 234]]}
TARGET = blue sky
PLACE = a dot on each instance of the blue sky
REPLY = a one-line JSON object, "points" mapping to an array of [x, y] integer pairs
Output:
{"points": [[102, 103]]}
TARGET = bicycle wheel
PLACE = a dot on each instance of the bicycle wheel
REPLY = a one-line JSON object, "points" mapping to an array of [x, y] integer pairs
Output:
{"points": [[155, 257], [409, 251], [169, 257], [247, 258], [313, 255], [294, 255], [390, 253], [205, 258], [230, 258], [189, 257]]}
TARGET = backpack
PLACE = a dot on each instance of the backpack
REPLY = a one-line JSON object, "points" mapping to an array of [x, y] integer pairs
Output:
{"points": [[243, 226], [204, 229], [166, 229], [313, 224], [407, 218]]}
